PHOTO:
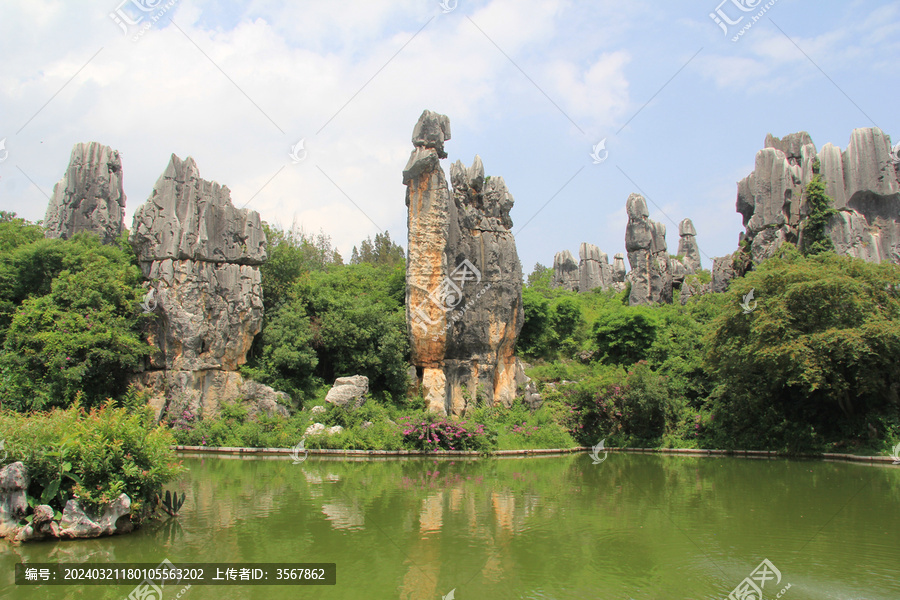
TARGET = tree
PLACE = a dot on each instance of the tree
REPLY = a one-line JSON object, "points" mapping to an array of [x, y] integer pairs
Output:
{"points": [[814, 238], [817, 354], [81, 337], [624, 335], [535, 324], [382, 251]]}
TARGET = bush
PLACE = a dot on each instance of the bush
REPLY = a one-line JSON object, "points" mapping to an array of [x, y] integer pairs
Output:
{"points": [[77, 328], [624, 335], [429, 431], [94, 455]]}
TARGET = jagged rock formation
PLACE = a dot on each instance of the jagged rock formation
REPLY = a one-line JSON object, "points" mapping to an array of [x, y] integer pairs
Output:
{"points": [[463, 277], [862, 181], [645, 242], [687, 246], [593, 269], [202, 257], [619, 272], [565, 272], [89, 197]]}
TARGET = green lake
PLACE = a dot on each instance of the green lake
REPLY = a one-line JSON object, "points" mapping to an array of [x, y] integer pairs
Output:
{"points": [[635, 526]]}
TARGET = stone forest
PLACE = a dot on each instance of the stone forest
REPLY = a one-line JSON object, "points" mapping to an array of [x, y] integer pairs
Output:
{"points": [[203, 330]]}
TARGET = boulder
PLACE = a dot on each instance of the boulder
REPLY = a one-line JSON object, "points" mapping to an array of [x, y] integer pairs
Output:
{"points": [[463, 277], [14, 482], [334, 430], [349, 392], [314, 429], [90, 196], [79, 521], [318, 410]]}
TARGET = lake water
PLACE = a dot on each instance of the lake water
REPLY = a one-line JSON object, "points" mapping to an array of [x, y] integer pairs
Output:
{"points": [[632, 527]]}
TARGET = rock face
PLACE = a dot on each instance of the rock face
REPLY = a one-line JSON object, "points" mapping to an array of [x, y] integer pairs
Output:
{"points": [[645, 242], [89, 197], [687, 246], [349, 392], [202, 257], [14, 482], [619, 272], [565, 272], [463, 277], [862, 181], [591, 271]]}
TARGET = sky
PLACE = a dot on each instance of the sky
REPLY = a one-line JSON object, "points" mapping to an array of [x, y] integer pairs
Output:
{"points": [[678, 103]]}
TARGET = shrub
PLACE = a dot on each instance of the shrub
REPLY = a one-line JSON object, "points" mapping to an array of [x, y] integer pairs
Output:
{"points": [[94, 454], [437, 432]]}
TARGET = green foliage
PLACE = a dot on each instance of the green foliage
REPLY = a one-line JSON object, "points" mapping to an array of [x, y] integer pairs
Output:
{"points": [[820, 206], [348, 320], [291, 254], [429, 431], [382, 251], [536, 322], [624, 336], [539, 279], [817, 355], [565, 319], [75, 328], [95, 455], [171, 503]]}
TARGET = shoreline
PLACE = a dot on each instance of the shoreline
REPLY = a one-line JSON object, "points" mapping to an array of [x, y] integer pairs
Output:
{"points": [[328, 452]]}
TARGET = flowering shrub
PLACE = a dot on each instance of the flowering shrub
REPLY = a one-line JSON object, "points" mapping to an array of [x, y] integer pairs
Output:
{"points": [[524, 429], [437, 432]]}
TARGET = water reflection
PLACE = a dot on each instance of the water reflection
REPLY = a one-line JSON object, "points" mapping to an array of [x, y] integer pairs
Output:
{"points": [[635, 526]]}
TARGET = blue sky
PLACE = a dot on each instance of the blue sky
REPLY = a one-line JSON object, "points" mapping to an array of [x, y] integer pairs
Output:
{"points": [[529, 86]]}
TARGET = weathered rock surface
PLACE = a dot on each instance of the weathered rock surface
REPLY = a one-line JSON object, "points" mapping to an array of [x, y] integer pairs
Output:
{"points": [[189, 218], [862, 180], [349, 392], [619, 272], [14, 482], [463, 277], [565, 272], [645, 242], [79, 521], [90, 196], [594, 268], [687, 246], [202, 257]]}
